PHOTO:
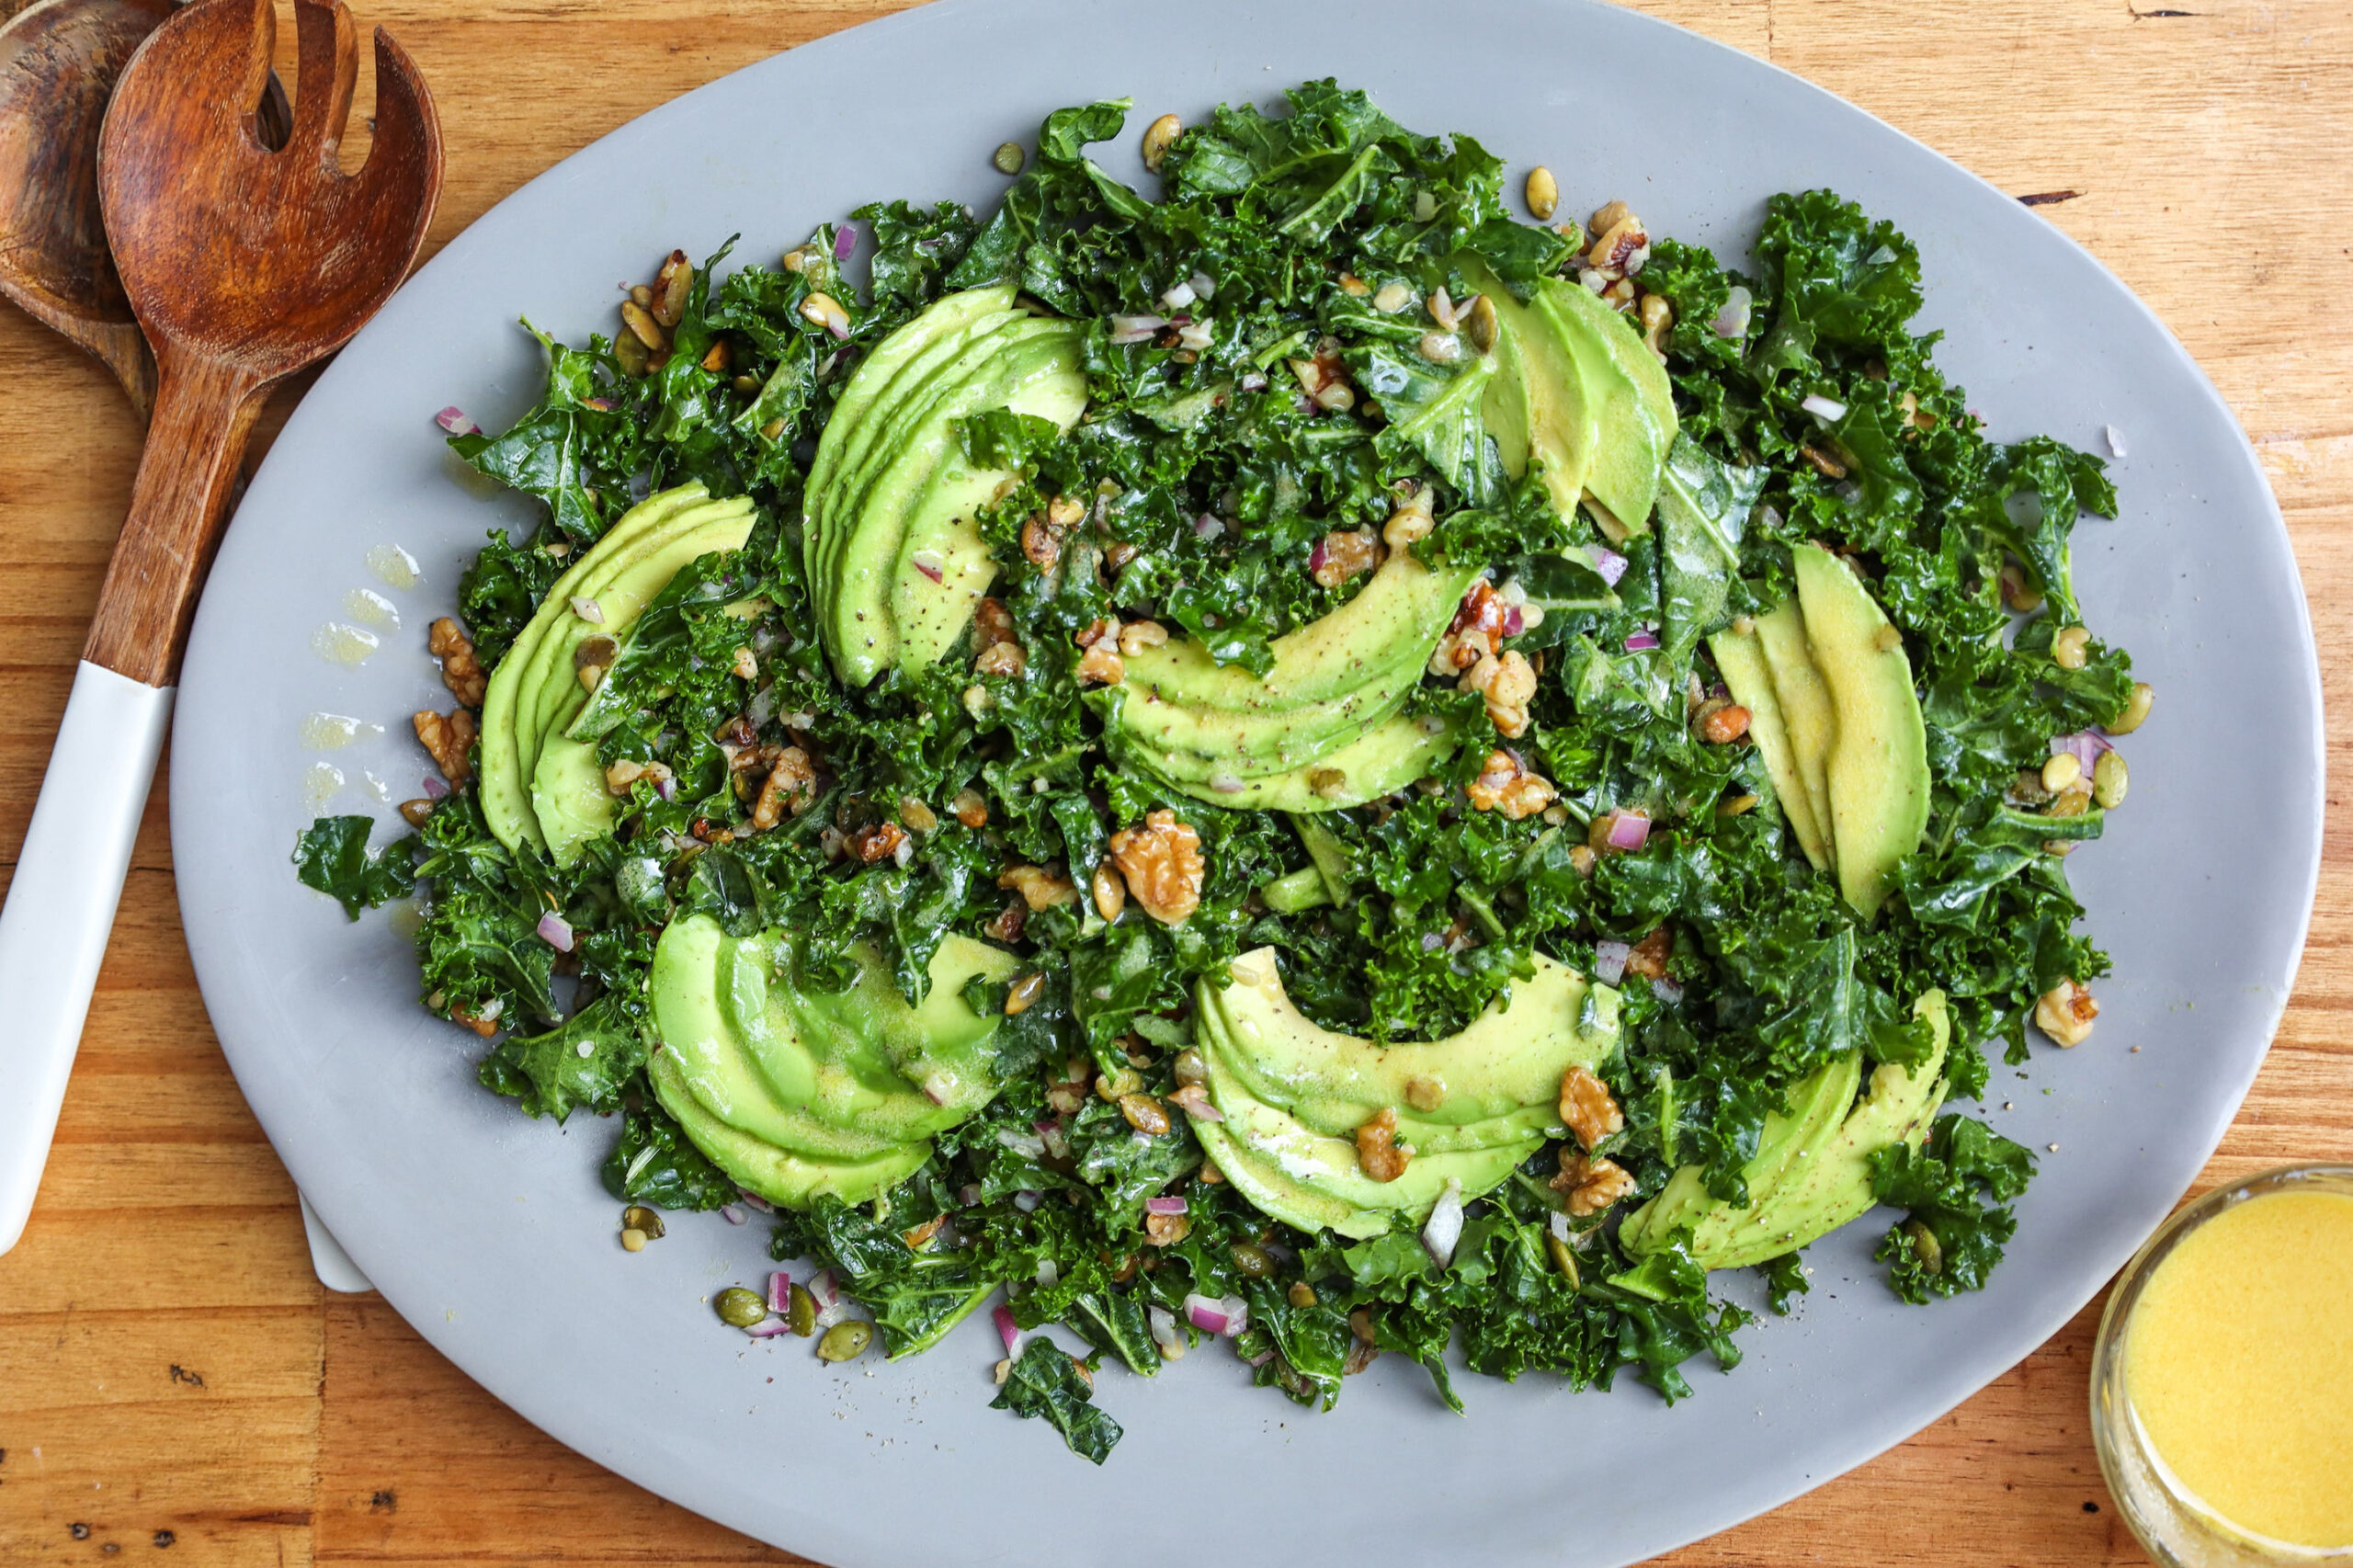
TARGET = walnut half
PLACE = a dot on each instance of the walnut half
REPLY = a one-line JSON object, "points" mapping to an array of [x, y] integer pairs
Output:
{"points": [[1161, 864]]}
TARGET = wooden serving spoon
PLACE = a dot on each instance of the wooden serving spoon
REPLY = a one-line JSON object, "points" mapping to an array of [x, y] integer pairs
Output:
{"points": [[243, 265]]}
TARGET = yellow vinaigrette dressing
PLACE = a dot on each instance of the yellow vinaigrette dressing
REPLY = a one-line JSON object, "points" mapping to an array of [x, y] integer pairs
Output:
{"points": [[2238, 1364]]}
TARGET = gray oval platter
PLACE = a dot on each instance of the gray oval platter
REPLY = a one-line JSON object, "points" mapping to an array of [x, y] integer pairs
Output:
{"points": [[490, 1233]]}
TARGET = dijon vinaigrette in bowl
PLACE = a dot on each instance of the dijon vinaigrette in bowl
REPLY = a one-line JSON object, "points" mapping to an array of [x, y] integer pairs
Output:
{"points": [[2222, 1385]]}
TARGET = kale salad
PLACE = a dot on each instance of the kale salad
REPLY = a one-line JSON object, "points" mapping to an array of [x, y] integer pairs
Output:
{"points": [[1298, 760]]}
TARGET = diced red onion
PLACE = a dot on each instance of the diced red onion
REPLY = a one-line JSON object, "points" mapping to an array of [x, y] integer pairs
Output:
{"points": [[1828, 410], [1165, 1333], [1022, 1143], [1432, 941], [1135, 329], [1642, 641], [1629, 830], [1444, 1227], [2115, 440], [1254, 380], [1515, 621], [1772, 515], [1609, 564], [1204, 285], [1028, 1201], [1558, 1223], [555, 931], [453, 419], [1666, 991], [968, 1195], [1610, 962], [930, 563], [2084, 745], [1164, 1206], [1057, 1145], [1207, 526], [755, 1200], [779, 1292], [436, 786], [1848, 490], [1316, 557], [825, 1288], [589, 609], [1177, 298], [769, 1328], [1006, 1329], [1050, 1274], [731, 1214], [1732, 321], [844, 242], [840, 1311], [1261, 1359], [1227, 784], [1196, 336], [666, 788], [1208, 1315]]}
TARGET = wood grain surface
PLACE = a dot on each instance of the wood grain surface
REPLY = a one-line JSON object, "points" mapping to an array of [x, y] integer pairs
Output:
{"points": [[173, 1378]]}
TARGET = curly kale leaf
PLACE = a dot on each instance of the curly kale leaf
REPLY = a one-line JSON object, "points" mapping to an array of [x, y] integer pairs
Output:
{"points": [[583, 1063], [1958, 1186], [917, 1296], [655, 1163], [332, 856], [1046, 1382]]}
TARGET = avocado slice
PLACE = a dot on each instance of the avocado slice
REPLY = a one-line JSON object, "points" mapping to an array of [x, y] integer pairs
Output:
{"points": [[535, 691], [1726, 1237], [783, 1178], [1382, 761], [707, 1052], [1197, 744], [939, 1045], [505, 781], [1632, 400], [1395, 621], [1277, 1196], [943, 566], [1505, 1060], [875, 379], [1537, 406], [1878, 766], [1741, 656], [1806, 709], [569, 797], [1031, 366]]}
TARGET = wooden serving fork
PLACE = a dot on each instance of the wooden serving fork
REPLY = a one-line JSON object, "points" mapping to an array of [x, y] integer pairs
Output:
{"points": [[243, 265]]}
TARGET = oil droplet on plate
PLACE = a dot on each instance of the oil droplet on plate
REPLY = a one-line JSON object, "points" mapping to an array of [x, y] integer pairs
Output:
{"points": [[377, 787], [405, 917], [341, 645], [395, 567], [372, 609], [333, 732], [320, 781]]}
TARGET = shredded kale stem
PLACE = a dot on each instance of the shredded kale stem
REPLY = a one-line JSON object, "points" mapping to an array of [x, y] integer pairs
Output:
{"points": [[1210, 480]]}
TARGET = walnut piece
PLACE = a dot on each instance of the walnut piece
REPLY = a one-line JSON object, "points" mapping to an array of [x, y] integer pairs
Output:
{"points": [[878, 843], [1506, 683], [2066, 1012], [1161, 862], [1039, 887], [969, 808], [1377, 1149], [1647, 960], [1587, 1108], [1101, 664], [1503, 785], [1590, 1185], [461, 672], [447, 739], [1166, 1230], [992, 623], [791, 784], [1345, 554]]}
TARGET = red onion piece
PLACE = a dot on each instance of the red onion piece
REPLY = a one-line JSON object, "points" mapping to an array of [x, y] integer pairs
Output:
{"points": [[1006, 1329], [453, 419], [1315, 558], [930, 563], [1643, 641], [1609, 564], [968, 1195], [1165, 1333], [2084, 745], [1610, 962], [1733, 320], [1666, 991], [779, 1292], [1254, 380], [1207, 526], [1514, 621], [1828, 410], [555, 931], [769, 1328], [436, 786], [844, 242], [2115, 440], [1206, 1315], [755, 1200], [733, 1215], [1194, 1101], [1164, 1206], [1444, 1227], [1135, 329], [1261, 1359], [1629, 830]]}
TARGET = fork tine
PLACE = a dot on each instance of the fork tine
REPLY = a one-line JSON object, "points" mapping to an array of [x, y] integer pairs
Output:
{"points": [[329, 65], [405, 158]]}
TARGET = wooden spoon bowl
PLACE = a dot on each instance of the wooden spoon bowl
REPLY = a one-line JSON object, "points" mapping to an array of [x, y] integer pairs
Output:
{"points": [[242, 264]]}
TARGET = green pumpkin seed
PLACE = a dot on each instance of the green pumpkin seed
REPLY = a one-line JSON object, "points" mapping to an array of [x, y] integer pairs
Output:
{"points": [[802, 1312], [1009, 158], [739, 1307], [845, 1341]]}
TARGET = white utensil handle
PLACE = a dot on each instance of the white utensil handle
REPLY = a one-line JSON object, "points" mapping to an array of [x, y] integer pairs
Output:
{"points": [[60, 906]]}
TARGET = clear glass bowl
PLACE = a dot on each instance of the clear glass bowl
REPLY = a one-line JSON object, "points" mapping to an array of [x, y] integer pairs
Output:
{"points": [[2178, 1530]]}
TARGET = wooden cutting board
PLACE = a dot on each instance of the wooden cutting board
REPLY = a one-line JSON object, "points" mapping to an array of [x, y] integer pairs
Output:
{"points": [[172, 1378]]}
